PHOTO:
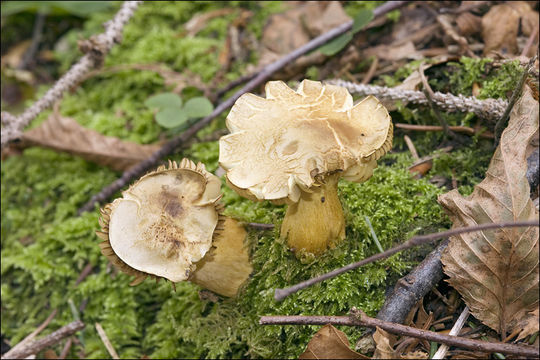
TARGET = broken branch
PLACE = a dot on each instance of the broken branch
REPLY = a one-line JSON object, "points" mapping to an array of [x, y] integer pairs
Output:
{"points": [[281, 294], [359, 318], [36, 346], [461, 129]]}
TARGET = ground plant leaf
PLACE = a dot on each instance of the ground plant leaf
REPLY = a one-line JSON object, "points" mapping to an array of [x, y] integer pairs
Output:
{"points": [[330, 343], [496, 271], [66, 135]]}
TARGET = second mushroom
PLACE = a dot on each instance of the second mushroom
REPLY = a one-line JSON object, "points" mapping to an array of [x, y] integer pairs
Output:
{"points": [[293, 146]]}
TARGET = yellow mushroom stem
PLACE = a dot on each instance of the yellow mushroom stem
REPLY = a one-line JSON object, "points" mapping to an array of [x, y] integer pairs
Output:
{"points": [[316, 221], [226, 266]]}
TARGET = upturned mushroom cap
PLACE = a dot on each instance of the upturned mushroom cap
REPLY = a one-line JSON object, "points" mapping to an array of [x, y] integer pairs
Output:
{"points": [[292, 140], [164, 223]]}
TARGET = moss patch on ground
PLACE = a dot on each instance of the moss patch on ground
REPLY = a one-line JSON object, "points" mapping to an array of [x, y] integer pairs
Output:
{"points": [[45, 245]]}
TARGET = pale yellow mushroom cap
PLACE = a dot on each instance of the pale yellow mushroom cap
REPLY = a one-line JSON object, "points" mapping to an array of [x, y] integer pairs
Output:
{"points": [[291, 140], [164, 222]]}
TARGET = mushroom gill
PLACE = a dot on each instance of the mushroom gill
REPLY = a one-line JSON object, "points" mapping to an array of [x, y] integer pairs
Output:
{"points": [[169, 224]]}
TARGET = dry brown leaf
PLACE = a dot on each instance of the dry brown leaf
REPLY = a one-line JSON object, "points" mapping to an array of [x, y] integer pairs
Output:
{"points": [[417, 354], [496, 271], [393, 52], [330, 343], [385, 345], [14, 55], [295, 27], [530, 325], [65, 134], [468, 24], [501, 24]]}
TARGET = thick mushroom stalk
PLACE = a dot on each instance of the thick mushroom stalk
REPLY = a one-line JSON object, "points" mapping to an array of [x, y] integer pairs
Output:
{"points": [[169, 225], [293, 147]]}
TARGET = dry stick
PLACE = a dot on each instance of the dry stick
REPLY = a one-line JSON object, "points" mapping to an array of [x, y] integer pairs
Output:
{"points": [[260, 226], [36, 346], [106, 341], [529, 42], [36, 39], [461, 129], [413, 286], [99, 47], [489, 109], [371, 71], [429, 95], [67, 347], [266, 72], [411, 147], [281, 294], [441, 352], [358, 318], [499, 127], [30, 337]]}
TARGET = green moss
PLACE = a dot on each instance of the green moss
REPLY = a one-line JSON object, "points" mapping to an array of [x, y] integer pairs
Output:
{"points": [[494, 82]]}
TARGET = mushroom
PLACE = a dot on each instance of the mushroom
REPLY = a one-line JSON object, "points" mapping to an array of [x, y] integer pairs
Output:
{"points": [[169, 224], [293, 147]]}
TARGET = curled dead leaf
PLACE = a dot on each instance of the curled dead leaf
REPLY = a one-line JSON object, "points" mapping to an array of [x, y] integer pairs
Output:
{"points": [[65, 134], [385, 342], [496, 271], [330, 343]]}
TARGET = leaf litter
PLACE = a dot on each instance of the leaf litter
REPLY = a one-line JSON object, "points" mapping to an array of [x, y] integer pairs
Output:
{"points": [[65, 134], [496, 271]]}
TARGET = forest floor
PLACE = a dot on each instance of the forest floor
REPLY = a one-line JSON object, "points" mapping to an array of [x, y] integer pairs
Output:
{"points": [[460, 82]]}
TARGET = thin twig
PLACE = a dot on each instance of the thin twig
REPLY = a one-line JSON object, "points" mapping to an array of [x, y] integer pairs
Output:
{"points": [[260, 226], [530, 42], [501, 124], [266, 72], [106, 341], [441, 352], [281, 294], [84, 273], [66, 348], [97, 48], [430, 95], [489, 109], [36, 346], [411, 147], [358, 318], [30, 337], [371, 70], [37, 34], [461, 129]]}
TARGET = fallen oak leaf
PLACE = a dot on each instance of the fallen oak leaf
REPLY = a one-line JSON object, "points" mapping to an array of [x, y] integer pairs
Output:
{"points": [[330, 343], [67, 135], [496, 271]]}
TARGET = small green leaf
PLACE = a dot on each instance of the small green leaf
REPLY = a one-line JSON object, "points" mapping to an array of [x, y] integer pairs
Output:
{"points": [[170, 117], [334, 46], [361, 19], [198, 107], [164, 100]]}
